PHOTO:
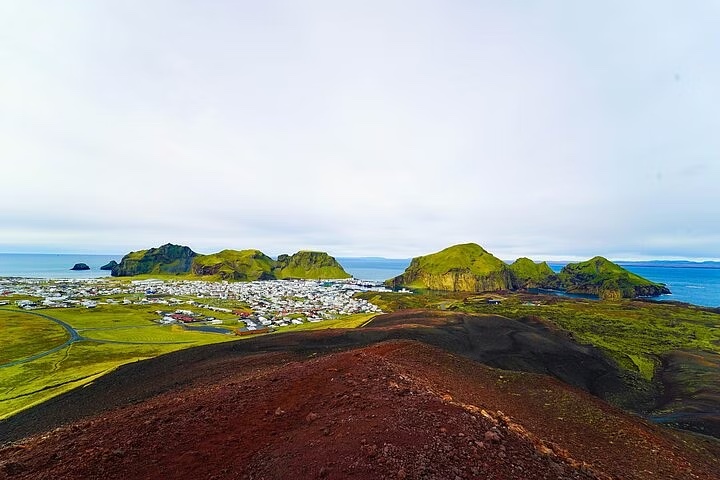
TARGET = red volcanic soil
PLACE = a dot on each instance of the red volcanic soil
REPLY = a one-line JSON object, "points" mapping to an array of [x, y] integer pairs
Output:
{"points": [[396, 410]]}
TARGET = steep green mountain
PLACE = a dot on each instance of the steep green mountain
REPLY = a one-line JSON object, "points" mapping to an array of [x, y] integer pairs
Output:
{"points": [[167, 259], [528, 274], [306, 264], [460, 268], [599, 276], [245, 265]]}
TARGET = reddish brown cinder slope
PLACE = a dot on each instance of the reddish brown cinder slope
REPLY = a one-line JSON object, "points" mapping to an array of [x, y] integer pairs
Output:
{"points": [[397, 409]]}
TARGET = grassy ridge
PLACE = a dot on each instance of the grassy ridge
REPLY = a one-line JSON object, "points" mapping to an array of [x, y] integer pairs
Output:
{"points": [[245, 265]]}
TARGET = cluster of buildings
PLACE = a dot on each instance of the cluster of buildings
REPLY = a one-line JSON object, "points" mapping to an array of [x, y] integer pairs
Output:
{"points": [[268, 303]]}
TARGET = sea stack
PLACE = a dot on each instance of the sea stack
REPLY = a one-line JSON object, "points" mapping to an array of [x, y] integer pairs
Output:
{"points": [[80, 266]]}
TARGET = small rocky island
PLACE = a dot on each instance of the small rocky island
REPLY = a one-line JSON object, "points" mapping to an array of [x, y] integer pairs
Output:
{"points": [[110, 265], [80, 266]]}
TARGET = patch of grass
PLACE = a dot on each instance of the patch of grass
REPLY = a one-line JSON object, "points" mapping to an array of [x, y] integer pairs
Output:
{"points": [[106, 315], [392, 301], [170, 334], [346, 321], [24, 335]]}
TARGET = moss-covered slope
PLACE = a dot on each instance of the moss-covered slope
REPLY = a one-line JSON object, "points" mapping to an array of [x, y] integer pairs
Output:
{"points": [[245, 265], [599, 276], [312, 265], [167, 259], [528, 274], [460, 268]]}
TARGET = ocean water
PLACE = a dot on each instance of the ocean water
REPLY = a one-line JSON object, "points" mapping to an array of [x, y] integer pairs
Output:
{"points": [[377, 269], [53, 265], [698, 284]]}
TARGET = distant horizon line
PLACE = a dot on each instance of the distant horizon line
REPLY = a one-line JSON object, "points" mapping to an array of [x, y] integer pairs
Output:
{"points": [[577, 258]]}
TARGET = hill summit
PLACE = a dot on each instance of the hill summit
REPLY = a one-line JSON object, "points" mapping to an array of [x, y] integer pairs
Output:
{"points": [[461, 268]]}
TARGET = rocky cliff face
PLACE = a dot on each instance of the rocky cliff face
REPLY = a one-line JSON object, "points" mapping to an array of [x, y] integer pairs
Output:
{"points": [[460, 268], [167, 259], [306, 264]]}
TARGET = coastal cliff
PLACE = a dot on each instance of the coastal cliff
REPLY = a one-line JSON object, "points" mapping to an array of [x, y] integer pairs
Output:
{"points": [[460, 268]]}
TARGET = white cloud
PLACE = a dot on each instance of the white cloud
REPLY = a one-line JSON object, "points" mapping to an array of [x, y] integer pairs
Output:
{"points": [[363, 128]]}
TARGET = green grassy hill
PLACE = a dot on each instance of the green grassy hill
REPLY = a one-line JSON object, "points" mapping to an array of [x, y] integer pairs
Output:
{"points": [[460, 268], [600, 276], [239, 265], [245, 265], [306, 264], [528, 274], [167, 259]]}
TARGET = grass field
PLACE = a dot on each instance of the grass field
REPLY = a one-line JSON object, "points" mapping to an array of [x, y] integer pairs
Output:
{"points": [[23, 335], [349, 321]]}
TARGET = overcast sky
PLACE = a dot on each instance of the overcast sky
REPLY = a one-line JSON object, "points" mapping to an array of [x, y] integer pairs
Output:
{"points": [[549, 129]]}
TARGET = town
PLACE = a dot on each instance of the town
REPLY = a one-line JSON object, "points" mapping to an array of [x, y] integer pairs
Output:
{"points": [[259, 306]]}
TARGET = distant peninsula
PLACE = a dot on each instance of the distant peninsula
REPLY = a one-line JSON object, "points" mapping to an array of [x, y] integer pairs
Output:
{"points": [[234, 265], [471, 268]]}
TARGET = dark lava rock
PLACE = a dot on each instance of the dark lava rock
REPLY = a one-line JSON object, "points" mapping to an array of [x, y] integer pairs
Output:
{"points": [[80, 266], [109, 266]]}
